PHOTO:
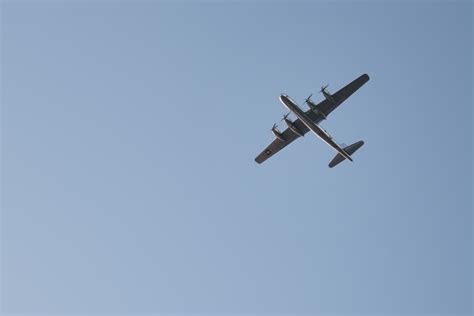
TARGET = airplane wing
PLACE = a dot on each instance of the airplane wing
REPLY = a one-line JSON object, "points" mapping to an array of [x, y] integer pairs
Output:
{"points": [[340, 96], [324, 106], [278, 145], [289, 136]]}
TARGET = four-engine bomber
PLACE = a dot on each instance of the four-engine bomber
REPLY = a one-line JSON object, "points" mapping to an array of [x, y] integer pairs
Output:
{"points": [[309, 121]]}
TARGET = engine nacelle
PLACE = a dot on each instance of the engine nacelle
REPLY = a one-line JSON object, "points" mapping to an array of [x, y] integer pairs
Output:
{"points": [[292, 127], [328, 95], [278, 134], [319, 112]]}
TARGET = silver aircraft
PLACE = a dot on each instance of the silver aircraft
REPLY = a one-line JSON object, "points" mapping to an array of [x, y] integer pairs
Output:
{"points": [[309, 121]]}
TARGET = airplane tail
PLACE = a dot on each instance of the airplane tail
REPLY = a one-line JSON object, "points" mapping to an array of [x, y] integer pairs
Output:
{"points": [[349, 149]]}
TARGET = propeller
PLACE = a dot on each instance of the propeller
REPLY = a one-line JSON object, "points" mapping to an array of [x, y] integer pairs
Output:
{"points": [[285, 116], [308, 98], [323, 88], [274, 127]]}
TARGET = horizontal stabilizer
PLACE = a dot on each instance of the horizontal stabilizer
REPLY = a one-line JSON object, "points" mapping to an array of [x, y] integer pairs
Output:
{"points": [[349, 149]]}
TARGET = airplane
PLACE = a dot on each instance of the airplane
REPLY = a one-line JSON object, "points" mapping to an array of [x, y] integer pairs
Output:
{"points": [[309, 121]]}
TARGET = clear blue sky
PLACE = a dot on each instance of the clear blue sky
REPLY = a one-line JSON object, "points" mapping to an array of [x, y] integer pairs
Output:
{"points": [[129, 132]]}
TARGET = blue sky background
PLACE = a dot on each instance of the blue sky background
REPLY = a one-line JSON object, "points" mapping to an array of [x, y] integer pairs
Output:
{"points": [[129, 132]]}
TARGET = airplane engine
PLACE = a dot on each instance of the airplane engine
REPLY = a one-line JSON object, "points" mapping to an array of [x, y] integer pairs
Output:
{"points": [[327, 94], [319, 112], [277, 133], [292, 126]]}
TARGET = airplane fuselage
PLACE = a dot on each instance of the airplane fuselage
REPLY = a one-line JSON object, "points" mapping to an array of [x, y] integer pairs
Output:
{"points": [[293, 107]]}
